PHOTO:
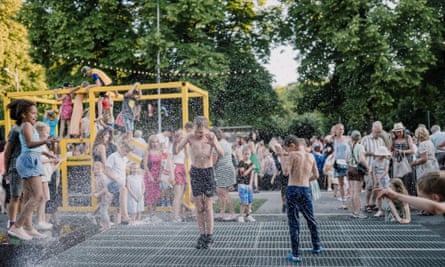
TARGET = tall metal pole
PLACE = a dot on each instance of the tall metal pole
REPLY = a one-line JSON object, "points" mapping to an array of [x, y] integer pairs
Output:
{"points": [[17, 79], [158, 71]]}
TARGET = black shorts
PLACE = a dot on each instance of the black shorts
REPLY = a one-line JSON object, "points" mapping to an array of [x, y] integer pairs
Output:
{"points": [[202, 181]]}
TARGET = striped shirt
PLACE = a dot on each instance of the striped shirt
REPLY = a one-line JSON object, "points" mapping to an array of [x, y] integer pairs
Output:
{"points": [[371, 144]]}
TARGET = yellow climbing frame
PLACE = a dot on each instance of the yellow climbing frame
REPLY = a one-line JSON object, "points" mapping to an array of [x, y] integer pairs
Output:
{"points": [[185, 91]]}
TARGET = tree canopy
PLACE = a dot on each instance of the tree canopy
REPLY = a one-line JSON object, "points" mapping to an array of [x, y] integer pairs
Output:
{"points": [[363, 60]]}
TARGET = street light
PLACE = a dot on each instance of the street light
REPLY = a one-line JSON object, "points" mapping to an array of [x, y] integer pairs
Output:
{"points": [[158, 71], [16, 77]]}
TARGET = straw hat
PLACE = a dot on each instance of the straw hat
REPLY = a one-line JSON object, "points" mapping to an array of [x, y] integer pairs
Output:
{"points": [[382, 151], [398, 127]]}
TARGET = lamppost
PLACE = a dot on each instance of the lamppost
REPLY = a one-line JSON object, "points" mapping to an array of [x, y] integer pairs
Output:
{"points": [[158, 71], [16, 77]]}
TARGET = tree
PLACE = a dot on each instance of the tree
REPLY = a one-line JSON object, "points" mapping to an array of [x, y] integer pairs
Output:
{"points": [[14, 49], [360, 58], [69, 34]]}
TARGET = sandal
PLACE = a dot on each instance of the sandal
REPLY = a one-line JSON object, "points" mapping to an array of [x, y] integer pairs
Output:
{"points": [[370, 208]]}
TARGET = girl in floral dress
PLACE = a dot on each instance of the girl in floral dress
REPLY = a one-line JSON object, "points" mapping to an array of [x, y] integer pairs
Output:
{"points": [[152, 167]]}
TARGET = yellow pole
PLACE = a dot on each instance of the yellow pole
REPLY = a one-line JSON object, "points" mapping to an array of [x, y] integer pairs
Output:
{"points": [[186, 199]]}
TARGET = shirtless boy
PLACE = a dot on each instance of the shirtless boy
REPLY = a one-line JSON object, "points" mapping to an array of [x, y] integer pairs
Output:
{"points": [[301, 168], [202, 142]]}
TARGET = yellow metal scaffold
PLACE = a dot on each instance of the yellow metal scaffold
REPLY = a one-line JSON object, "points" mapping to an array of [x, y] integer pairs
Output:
{"points": [[184, 91]]}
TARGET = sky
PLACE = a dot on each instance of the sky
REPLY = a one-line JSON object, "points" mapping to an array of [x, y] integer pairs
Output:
{"points": [[283, 66]]}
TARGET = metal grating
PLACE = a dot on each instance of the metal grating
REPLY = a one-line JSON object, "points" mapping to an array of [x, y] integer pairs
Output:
{"points": [[264, 243]]}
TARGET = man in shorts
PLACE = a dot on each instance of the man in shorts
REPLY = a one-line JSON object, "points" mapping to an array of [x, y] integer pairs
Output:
{"points": [[202, 143]]}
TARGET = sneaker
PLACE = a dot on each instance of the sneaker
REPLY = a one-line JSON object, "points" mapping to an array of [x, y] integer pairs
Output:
{"points": [[329, 189], [19, 233], [292, 258], [250, 219], [319, 250], [209, 241], [34, 234], [43, 226], [241, 219], [378, 214], [202, 242], [359, 215]]}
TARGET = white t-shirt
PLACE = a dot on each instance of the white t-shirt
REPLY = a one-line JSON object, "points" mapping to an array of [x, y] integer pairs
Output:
{"points": [[118, 164]]}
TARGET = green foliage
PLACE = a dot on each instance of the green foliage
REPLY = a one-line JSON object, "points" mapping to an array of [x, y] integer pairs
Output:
{"points": [[194, 37], [369, 56], [14, 48]]}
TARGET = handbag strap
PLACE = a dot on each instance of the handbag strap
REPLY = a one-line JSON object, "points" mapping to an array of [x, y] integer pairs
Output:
{"points": [[353, 155]]}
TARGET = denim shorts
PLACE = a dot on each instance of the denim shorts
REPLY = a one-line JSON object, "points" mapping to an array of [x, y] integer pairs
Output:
{"points": [[29, 164], [128, 124], [245, 194]]}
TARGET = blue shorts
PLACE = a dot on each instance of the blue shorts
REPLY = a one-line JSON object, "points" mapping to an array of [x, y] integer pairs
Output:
{"points": [[29, 164], [245, 194]]}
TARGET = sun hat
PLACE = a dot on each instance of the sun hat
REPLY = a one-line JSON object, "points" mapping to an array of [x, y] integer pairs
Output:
{"points": [[382, 151], [398, 127], [84, 70]]}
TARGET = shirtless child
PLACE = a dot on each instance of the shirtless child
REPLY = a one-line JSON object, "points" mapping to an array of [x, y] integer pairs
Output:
{"points": [[202, 142], [301, 168]]}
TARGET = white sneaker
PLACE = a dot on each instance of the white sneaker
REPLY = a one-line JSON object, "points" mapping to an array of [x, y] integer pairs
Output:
{"points": [[43, 226], [241, 219], [250, 218], [35, 234], [329, 189], [359, 215], [19, 233]]}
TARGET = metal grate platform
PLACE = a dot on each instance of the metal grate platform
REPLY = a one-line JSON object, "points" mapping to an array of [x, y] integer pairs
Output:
{"points": [[265, 243]]}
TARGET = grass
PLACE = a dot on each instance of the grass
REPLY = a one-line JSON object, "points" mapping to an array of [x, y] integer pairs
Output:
{"points": [[256, 204]]}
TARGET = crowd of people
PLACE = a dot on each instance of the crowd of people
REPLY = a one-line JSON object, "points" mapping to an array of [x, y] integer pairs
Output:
{"points": [[133, 173]]}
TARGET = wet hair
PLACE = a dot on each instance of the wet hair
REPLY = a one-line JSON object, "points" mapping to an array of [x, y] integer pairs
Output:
{"points": [[432, 183], [398, 186], [19, 107], [292, 139], [201, 122], [218, 133], [188, 125]]}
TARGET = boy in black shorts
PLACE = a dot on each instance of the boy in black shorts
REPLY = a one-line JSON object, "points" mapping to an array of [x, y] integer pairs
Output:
{"points": [[202, 143]]}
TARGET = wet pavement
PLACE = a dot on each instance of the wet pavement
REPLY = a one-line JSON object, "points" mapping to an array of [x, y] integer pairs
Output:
{"points": [[347, 241]]}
